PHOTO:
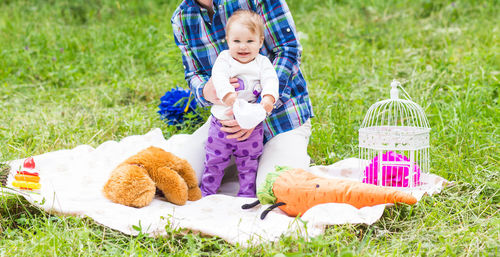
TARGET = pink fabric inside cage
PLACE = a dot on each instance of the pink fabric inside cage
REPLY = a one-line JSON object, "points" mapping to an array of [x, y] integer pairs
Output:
{"points": [[395, 175]]}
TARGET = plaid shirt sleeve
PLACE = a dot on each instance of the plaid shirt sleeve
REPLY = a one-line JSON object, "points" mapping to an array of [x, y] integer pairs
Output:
{"points": [[281, 39], [196, 79]]}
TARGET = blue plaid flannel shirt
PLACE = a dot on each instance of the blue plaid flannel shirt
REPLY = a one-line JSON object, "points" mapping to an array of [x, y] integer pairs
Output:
{"points": [[201, 39]]}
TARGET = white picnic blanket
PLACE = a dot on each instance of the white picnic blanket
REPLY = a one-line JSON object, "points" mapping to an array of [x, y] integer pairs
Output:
{"points": [[72, 181]]}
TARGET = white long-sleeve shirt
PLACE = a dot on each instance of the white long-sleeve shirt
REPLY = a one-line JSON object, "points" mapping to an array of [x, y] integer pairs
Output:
{"points": [[258, 76]]}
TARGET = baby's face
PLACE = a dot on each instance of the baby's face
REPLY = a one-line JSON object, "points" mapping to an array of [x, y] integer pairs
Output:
{"points": [[243, 44]]}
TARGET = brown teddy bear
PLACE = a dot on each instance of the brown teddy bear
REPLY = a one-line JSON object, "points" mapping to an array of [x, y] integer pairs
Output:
{"points": [[134, 181]]}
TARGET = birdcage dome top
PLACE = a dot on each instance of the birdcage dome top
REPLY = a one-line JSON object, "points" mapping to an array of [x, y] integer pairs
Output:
{"points": [[399, 114]]}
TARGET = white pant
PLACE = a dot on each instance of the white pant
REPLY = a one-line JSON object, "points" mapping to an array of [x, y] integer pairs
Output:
{"points": [[286, 149]]}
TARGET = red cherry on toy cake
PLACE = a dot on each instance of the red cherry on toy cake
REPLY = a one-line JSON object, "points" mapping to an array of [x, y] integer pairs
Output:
{"points": [[29, 163], [28, 167]]}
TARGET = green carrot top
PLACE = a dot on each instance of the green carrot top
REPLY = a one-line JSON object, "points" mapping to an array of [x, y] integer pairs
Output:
{"points": [[265, 192]]}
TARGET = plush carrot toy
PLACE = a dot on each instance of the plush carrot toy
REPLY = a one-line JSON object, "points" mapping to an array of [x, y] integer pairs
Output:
{"points": [[295, 191]]}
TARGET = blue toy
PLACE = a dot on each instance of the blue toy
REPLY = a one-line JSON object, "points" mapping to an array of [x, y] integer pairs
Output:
{"points": [[175, 104]]}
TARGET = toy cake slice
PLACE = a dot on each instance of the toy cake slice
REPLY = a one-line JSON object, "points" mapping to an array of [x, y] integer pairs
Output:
{"points": [[27, 178]]}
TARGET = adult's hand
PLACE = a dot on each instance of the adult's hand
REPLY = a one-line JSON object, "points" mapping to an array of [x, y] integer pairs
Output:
{"points": [[209, 90], [232, 127], [229, 126]]}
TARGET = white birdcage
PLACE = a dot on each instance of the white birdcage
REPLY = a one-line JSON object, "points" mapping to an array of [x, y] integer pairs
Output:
{"points": [[394, 142]]}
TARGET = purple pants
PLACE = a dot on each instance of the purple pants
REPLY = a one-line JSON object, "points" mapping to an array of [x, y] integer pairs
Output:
{"points": [[219, 150]]}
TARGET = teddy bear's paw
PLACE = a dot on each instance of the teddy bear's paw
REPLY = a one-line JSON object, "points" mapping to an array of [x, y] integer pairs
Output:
{"points": [[194, 194]]}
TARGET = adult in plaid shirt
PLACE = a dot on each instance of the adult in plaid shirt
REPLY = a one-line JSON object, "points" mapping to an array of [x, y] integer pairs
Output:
{"points": [[198, 27]]}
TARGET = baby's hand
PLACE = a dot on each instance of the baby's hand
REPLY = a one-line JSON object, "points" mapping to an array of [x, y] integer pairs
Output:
{"points": [[229, 99], [267, 102]]}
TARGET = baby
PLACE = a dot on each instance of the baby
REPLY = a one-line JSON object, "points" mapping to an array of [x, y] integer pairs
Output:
{"points": [[256, 77]]}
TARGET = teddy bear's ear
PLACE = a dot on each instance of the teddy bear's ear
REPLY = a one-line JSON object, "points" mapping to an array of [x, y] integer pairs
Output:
{"points": [[130, 185], [171, 184]]}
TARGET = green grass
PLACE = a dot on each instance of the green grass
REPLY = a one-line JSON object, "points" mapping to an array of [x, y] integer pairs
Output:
{"points": [[84, 72]]}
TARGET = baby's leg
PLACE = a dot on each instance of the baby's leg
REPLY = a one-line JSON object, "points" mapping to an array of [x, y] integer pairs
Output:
{"points": [[246, 158], [217, 158]]}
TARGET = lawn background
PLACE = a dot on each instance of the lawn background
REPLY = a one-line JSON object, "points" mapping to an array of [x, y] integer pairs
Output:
{"points": [[84, 72]]}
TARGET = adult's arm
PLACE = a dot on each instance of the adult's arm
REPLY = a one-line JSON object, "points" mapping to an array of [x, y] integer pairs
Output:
{"points": [[193, 71], [281, 38]]}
